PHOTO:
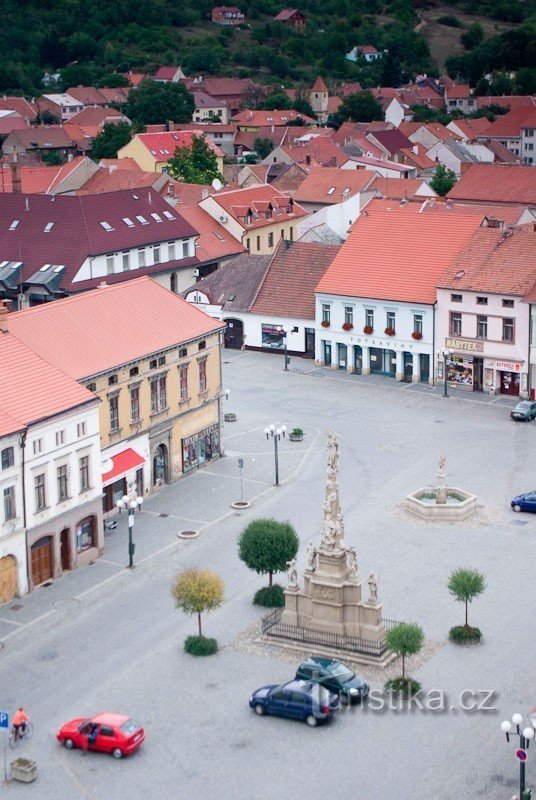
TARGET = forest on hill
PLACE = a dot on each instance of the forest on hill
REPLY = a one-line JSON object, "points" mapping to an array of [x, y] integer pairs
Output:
{"points": [[94, 41]]}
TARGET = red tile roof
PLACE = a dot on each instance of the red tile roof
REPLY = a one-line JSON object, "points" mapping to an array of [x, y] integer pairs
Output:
{"points": [[257, 119], [188, 194], [162, 146], [502, 154], [509, 125], [419, 158], [105, 181], [496, 261], [42, 136], [214, 240], [257, 199], [506, 101], [330, 185], [87, 95], [396, 189], [121, 163], [165, 73], [288, 289], [319, 150], [28, 111], [397, 252], [496, 183], [12, 122], [30, 388], [286, 14], [81, 335], [472, 127], [204, 100], [117, 94], [460, 92], [38, 180], [97, 116], [392, 140], [441, 131], [319, 85], [217, 87]]}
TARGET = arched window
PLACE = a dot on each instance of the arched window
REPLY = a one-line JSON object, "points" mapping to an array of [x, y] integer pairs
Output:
{"points": [[85, 534]]}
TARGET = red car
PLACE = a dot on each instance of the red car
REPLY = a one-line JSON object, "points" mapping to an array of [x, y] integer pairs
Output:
{"points": [[108, 733]]}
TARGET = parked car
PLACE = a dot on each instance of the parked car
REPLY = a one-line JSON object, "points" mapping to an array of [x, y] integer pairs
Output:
{"points": [[305, 700], [335, 677], [524, 411], [108, 733], [524, 502]]}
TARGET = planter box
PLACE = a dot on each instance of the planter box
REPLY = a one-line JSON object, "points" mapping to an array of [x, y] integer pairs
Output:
{"points": [[229, 417], [24, 770], [296, 437]]}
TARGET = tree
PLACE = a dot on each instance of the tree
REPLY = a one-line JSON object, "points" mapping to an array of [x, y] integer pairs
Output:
{"points": [[391, 71], [52, 158], [302, 106], [279, 101], [112, 138], [197, 590], [195, 164], [464, 585], [153, 103], [473, 36], [263, 146], [443, 180], [360, 107], [266, 545], [405, 639], [46, 117]]}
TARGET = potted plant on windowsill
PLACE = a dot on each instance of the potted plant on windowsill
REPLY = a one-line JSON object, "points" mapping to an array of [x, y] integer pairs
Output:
{"points": [[296, 435], [368, 329], [389, 331], [416, 335], [347, 326], [325, 323]]}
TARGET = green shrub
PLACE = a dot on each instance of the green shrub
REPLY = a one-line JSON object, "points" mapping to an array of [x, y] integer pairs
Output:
{"points": [[297, 432], [405, 686], [200, 646], [465, 634], [270, 596], [450, 20]]}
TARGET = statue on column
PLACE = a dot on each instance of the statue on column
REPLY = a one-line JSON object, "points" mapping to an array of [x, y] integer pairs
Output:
{"points": [[311, 556], [373, 587], [333, 526], [292, 573], [351, 559]]}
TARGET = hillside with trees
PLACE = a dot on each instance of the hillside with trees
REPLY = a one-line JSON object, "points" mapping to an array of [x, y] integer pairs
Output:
{"points": [[93, 42]]}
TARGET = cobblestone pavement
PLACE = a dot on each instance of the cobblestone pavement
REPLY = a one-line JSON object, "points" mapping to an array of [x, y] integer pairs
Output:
{"points": [[106, 638]]}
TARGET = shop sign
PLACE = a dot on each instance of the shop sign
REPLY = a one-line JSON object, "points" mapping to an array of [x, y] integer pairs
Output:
{"points": [[205, 432], [508, 366], [468, 345]]}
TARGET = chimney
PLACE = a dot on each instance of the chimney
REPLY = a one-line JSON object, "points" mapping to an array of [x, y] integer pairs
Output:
{"points": [[4, 311], [102, 285], [307, 159], [16, 179], [27, 204], [70, 157], [415, 149]]}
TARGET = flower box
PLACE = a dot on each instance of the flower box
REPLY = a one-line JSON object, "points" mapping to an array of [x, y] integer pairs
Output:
{"points": [[389, 331], [368, 329], [416, 335], [347, 326], [325, 323]]}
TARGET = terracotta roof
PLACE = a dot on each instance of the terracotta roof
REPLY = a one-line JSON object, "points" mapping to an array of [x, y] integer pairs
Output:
{"points": [[188, 194], [350, 88], [105, 180], [257, 119], [330, 185], [396, 252], [216, 87], [206, 127], [30, 388], [204, 100], [320, 150], [162, 146], [87, 95], [460, 92], [367, 49], [246, 139], [439, 130], [471, 127], [165, 73], [121, 163], [380, 163], [496, 183], [288, 289], [238, 279], [81, 334], [257, 199], [214, 240], [38, 180], [502, 154], [28, 111], [319, 85], [506, 101], [11, 122], [286, 14], [409, 128], [117, 94], [509, 125], [393, 141], [97, 116], [419, 158], [496, 261], [77, 232], [42, 136], [396, 189], [82, 136], [135, 78], [334, 103]]}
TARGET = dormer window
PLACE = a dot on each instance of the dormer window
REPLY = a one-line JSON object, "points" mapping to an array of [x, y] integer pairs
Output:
{"points": [[14, 224], [156, 217], [107, 227], [128, 222], [268, 213], [142, 219], [48, 227], [289, 208], [248, 219]]}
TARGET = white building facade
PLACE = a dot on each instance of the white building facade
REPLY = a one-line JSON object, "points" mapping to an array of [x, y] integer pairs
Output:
{"points": [[13, 562]]}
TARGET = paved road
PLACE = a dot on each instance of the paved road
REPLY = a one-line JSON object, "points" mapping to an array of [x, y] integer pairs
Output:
{"points": [[105, 638]]}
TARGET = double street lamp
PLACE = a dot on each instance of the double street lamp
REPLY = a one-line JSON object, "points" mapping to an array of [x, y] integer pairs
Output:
{"points": [[131, 504], [445, 353], [525, 735], [276, 433]]}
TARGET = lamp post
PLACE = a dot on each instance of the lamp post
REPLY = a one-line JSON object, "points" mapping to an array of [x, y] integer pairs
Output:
{"points": [[525, 735], [276, 433], [446, 356], [285, 331], [223, 393], [131, 504]]}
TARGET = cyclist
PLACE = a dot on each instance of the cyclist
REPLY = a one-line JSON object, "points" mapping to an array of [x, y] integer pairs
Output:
{"points": [[20, 718]]}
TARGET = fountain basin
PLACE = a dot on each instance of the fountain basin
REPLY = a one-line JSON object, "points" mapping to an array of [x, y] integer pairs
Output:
{"points": [[460, 504]]}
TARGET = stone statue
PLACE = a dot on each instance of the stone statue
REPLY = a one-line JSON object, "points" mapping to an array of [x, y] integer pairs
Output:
{"points": [[311, 556], [333, 451], [351, 558], [329, 503], [329, 536], [442, 463], [373, 586], [292, 573]]}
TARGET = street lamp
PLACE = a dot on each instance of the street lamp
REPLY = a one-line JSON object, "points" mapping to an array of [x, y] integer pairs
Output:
{"points": [[525, 736], [284, 330], [276, 433], [222, 394], [446, 356], [131, 504]]}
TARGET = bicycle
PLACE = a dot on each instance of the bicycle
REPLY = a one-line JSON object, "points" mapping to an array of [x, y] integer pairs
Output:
{"points": [[17, 736]]}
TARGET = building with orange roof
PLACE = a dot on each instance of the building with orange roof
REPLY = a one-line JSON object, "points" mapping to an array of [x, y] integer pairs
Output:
{"points": [[50, 460], [314, 151], [158, 375], [484, 310], [120, 163], [496, 183], [64, 179], [328, 186], [469, 129], [417, 157], [376, 304], [257, 217], [249, 120], [113, 180], [319, 99], [516, 131], [430, 133], [409, 189], [460, 98], [214, 245], [152, 151]]}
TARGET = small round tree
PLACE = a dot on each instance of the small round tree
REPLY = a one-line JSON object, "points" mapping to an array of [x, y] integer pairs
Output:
{"points": [[464, 585], [197, 590], [405, 639], [265, 546]]}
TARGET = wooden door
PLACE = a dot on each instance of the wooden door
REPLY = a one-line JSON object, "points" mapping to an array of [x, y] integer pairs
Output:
{"points": [[8, 579], [65, 550], [42, 560]]}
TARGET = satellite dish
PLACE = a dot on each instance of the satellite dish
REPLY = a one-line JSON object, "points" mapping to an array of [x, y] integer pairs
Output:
{"points": [[216, 184]]}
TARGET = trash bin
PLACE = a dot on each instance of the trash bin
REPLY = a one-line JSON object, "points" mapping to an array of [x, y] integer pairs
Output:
{"points": [[23, 769]]}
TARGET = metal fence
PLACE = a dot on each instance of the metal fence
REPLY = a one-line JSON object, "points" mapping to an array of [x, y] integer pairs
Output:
{"points": [[272, 626]]}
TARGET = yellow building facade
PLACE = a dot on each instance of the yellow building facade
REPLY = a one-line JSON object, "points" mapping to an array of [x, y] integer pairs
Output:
{"points": [[152, 151]]}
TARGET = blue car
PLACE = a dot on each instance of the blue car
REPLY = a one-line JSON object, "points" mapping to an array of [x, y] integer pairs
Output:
{"points": [[524, 502], [296, 699]]}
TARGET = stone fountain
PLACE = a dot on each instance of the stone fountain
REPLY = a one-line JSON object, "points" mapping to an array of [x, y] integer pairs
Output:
{"points": [[441, 502]]}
